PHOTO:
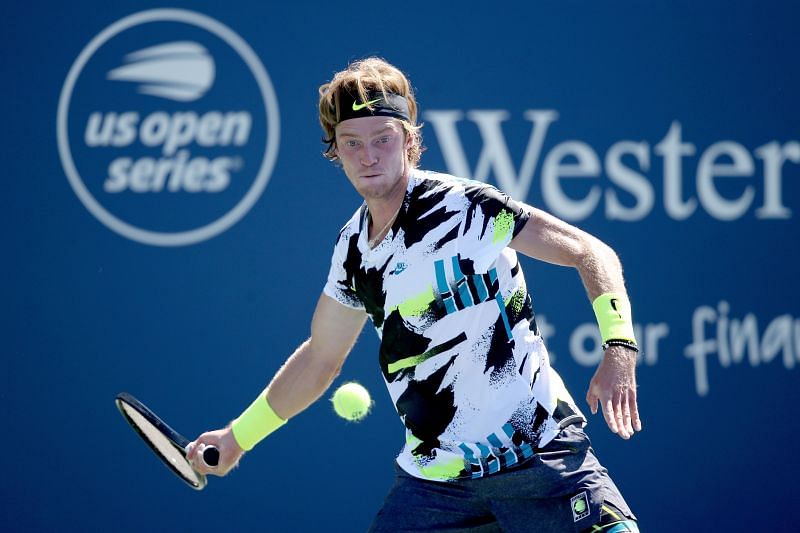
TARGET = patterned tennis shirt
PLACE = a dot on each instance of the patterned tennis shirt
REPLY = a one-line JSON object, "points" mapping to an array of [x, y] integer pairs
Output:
{"points": [[460, 352]]}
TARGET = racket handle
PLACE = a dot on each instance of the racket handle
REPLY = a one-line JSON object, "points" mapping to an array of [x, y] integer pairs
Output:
{"points": [[211, 456]]}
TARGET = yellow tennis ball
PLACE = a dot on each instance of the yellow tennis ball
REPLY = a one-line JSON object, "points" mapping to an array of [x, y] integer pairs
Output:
{"points": [[351, 401]]}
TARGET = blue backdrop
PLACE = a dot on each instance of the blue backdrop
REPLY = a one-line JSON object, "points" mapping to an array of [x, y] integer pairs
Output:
{"points": [[171, 241]]}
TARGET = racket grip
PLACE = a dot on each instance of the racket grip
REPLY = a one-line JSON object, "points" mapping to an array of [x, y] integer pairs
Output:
{"points": [[211, 456]]}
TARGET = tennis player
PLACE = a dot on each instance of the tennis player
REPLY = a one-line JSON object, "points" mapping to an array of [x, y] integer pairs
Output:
{"points": [[494, 441]]}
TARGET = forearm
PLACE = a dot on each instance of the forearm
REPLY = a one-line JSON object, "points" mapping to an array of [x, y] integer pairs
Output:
{"points": [[599, 268], [549, 239], [306, 375], [614, 384], [301, 381]]}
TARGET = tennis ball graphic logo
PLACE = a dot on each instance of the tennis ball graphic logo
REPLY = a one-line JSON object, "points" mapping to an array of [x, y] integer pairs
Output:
{"points": [[183, 71], [352, 402]]}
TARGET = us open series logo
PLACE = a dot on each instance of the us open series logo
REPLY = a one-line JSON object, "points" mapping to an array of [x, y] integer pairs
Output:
{"points": [[168, 127]]}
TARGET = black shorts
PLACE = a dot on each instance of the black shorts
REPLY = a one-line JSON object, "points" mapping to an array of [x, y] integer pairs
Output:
{"points": [[562, 488]]}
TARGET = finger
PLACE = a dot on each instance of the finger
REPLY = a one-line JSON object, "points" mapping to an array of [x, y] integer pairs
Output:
{"points": [[195, 450], [190, 450], [591, 399], [619, 416], [635, 420], [626, 414], [608, 413], [197, 460]]}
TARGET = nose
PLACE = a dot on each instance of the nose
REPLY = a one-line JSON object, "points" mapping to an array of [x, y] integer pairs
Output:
{"points": [[369, 156]]}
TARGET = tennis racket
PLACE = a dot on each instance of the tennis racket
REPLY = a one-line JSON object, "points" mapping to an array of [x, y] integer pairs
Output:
{"points": [[166, 443]]}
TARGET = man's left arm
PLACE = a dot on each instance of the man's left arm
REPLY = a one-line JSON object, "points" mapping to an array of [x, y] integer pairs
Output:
{"points": [[550, 239]]}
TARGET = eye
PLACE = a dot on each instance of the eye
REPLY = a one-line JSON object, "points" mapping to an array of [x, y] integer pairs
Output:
{"points": [[385, 139], [351, 143]]}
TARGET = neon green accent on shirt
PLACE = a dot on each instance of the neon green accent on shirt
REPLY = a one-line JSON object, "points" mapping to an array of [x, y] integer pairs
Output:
{"points": [[414, 360], [412, 440], [503, 223], [408, 362], [518, 300], [443, 471], [416, 305]]}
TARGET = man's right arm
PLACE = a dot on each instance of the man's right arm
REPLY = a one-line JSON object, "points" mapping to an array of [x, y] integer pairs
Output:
{"points": [[311, 369], [303, 379]]}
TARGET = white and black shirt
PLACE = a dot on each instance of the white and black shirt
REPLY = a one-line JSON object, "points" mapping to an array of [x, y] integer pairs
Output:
{"points": [[460, 352]]}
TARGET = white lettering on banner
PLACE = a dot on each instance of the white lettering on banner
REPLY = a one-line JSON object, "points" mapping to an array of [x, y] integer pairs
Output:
{"points": [[171, 132], [672, 149], [494, 156], [554, 169], [721, 160], [774, 155], [633, 182], [147, 174], [713, 332], [732, 339]]}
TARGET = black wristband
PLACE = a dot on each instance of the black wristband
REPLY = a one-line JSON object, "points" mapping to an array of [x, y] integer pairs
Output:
{"points": [[620, 342]]}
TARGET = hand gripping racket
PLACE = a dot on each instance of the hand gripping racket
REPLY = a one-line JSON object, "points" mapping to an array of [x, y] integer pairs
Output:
{"points": [[166, 443]]}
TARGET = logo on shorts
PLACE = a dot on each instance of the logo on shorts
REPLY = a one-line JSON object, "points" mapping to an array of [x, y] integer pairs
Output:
{"points": [[580, 506], [168, 127]]}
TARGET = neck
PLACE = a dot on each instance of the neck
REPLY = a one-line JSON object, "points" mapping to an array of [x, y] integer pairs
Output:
{"points": [[383, 211], [383, 208]]}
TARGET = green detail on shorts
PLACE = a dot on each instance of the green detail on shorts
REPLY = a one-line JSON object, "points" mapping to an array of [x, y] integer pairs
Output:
{"points": [[417, 305], [517, 301], [444, 471], [503, 223], [611, 512], [628, 526], [579, 506]]}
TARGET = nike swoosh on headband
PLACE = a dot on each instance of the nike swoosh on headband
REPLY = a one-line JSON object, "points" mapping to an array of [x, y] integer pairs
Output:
{"points": [[359, 107]]}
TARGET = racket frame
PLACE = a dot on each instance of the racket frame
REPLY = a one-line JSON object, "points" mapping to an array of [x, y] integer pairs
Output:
{"points": [[176, 439]]}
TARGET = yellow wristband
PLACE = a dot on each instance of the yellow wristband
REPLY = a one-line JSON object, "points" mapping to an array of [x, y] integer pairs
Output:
{"points": [[255, 423], [613, 312]]}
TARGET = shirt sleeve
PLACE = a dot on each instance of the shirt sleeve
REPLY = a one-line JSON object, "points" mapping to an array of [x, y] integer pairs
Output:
{"points": [[339, 285], [493, 220]]}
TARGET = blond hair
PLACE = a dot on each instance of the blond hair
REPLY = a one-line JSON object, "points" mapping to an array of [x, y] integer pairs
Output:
{"points": [[362, 77]]}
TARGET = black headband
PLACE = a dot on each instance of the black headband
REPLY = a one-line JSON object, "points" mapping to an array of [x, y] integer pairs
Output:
{"points": [[351, 106]]}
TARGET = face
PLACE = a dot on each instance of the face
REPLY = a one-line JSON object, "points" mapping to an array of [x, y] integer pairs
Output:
{"points": [[373, 154]]}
